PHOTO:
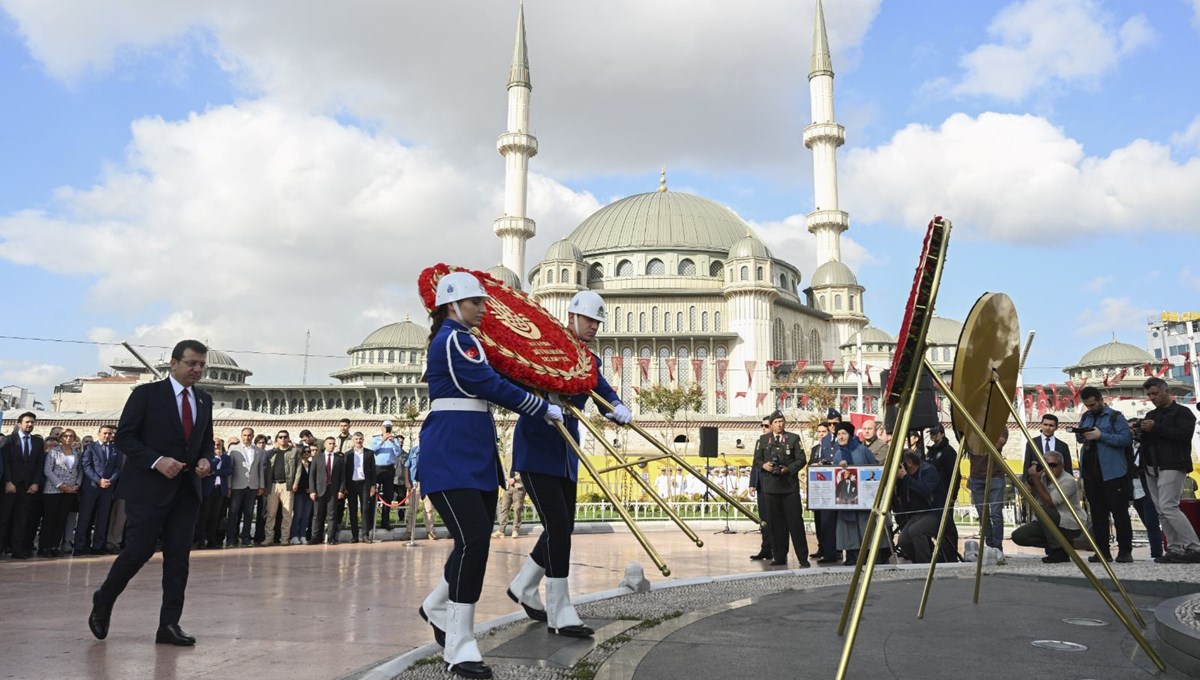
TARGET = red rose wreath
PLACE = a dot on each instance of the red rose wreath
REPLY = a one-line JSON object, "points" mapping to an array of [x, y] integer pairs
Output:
{"points": [[910, 343], [523, 341]]}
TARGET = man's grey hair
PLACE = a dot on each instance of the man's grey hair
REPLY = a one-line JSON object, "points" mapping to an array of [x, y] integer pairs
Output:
{"points": [[1053, 454]]}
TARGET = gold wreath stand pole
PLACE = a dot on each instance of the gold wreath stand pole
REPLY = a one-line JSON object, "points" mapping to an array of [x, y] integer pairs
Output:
{"points": [[658, 500], [630, 463], [1091, 539], [616, 503], [983, 524], [947, 509], [1044, 518], [685, 465]]}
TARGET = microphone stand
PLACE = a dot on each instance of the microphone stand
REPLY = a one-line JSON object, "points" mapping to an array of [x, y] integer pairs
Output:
{"points": [[725, 506]]}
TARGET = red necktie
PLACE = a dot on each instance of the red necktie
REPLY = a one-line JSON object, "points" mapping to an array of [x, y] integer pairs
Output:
{"points": [[187, 416], [328, 467]]}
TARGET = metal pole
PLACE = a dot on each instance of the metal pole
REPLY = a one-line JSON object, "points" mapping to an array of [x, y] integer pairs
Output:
{"points": [[947, 510]]}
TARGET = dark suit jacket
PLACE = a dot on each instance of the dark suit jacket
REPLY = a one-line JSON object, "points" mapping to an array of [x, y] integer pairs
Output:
{"points": [[17, 469], [791, 456], [1059, 445], [318, 481], [150, 427], [222, 467], [95, 467], [368, 469]]}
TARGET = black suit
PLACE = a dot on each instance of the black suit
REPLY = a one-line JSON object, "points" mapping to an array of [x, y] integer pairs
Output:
{"points": [[1060, 446], [22, 471], [326, 481], [155, 506], [358, 497], [782, 490]]}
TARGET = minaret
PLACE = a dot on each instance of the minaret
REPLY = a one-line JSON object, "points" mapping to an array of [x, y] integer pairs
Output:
{"points": [[824, 136], [517, 146]]}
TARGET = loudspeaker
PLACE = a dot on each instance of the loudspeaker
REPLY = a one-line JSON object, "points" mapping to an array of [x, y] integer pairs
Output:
{"points": [[925, 413], [708, 442]]}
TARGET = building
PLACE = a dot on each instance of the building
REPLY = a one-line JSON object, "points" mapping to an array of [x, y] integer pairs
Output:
{"points": [[1171, 338], [17, 398]]}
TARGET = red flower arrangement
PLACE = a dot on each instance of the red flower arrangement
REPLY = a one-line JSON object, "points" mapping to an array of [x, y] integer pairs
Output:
{"points": [[524, 342], [910, 344]]}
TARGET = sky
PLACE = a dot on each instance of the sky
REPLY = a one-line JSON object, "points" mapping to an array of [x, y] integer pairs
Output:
{"points": [[246, 173]]}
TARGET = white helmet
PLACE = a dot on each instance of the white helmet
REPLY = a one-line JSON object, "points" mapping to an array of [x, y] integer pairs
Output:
{"points": [[457, 286], [589, 303]]}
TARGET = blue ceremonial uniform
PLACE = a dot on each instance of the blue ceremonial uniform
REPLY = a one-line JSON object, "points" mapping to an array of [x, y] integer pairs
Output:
{"points": [[537, 445], [459, 446]]}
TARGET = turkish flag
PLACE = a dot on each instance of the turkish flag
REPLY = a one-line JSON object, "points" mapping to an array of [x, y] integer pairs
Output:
{"points": [[644, 364], [801, 365], [804, 399], [1166, 366], [720, 394], [867, 370], [617, 362], [846, 404], [671, 369], [828, 363], [698, 369], [722, 367], [750, 373], [1120, 375], [772, 365], [783, 396], [737, 395], [762, 396], [1187, 363]]}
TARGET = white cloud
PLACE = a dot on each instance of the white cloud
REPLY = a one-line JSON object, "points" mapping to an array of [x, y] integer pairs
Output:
{"points": [[1113, 315], [33, 375], [1038, 44], [790, 241], [255, 223], [1097, 284], [1196, 13], [1189, 139], [1013, 178], [436, 71]]}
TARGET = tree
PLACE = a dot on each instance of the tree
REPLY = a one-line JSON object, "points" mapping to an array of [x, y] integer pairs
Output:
{"points": [[668, 402], [410, 415]]}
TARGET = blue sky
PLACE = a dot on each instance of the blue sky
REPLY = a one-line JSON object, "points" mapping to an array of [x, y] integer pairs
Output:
{"points": [[246, 172]]}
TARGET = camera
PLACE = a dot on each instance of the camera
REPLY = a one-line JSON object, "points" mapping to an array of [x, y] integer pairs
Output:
{"points": [[1079, 430], [776, 461], [387, 426]]}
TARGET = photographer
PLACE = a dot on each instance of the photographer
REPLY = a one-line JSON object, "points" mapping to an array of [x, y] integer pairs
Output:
{"points": [[779, 458], [917, 483], [1105, 436], [1166, 458], [389, 449], [1057, 505]]}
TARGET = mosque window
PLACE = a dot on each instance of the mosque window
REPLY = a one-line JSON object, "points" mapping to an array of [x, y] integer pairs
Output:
{"points": [[624, 268], [777, 340], [722, 395], [667, 322], [717, 322], [629, 322], [626, 372], [945, 354], [814, 346], [391, 356], [549, 276], [654, 318], [745, 273], [821, 303], [564, 276], [715, 268], [683, 368], [656, 267], [758, 273], [702, 355], [237, 404], [783, 281], [692, 318], [797, 342], [595, 272], [837, 303], [679, 321], [617, 320], [608, 364], [852, 303], [704, 321], [663, 374], [687, 267], [578, 278], [641, 322]]}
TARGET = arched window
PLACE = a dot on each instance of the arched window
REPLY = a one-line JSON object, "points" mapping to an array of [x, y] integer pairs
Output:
{"points": [[729, 274], [641, 322], [667, 322], [851, 303], [564, 276], [797, 342], [702, 355], [814, 345], [617, 320], [758, 273], [655, 267], [703, 321], [608, 362], [837, 303], [683, 367], [549, 276], [237, 404], [629, 322], [654, 318], [783, 281], [717, 322], [624, 268], [400, 356], [722, 395], [714, 269], [778, 348], [626, 372], [692, 318], [663, 355], [745, 273], [595, 272], [821, 303], [679, 321], [578, 278], [687, 267], [391, 356]]}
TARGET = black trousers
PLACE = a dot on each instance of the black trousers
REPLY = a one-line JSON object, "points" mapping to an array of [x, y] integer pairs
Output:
{"points": [[94, 507], [917, 536], [385, 485], [786, 519], [145, 524], [208, 523], [358, 499], [14, 520], [325, 517], [241, 515], [554, 499], [1107, 499], [825, 527], [54, 519], [468, 515], [763, 531]]}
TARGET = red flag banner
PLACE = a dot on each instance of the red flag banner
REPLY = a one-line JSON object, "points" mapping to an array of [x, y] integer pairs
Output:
{"points": [[722, 367], [637, 390], [738, 395], [772, 365], [1187, 363], [720, 394], [853, 368], [801, 365], [1166, 366], [846, 404], [750, 373], [828, 364], [762, 396], [783, 396], [1071, 386], [671, 369], [617, 363], [1042, 403], [870, 403], [644, 364], [1120, 376], [1054, 393], [804, 399], [698, 369], [867, 370]]}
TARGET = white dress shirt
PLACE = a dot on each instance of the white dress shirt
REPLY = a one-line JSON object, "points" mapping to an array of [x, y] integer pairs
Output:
{"points": [[357, 475]]}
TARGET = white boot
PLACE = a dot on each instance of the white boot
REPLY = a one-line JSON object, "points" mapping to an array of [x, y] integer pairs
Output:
{"points": [[561, 617], [461, 654], [525, 590], [433, 610]]}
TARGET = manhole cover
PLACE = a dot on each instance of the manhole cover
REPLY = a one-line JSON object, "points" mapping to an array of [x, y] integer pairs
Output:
{"points": [[1059, 645], [1085, 622]]}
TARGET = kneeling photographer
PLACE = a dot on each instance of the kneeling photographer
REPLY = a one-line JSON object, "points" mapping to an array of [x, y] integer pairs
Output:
{"points": [[1057, 506], [916, 489], [779, 456]]}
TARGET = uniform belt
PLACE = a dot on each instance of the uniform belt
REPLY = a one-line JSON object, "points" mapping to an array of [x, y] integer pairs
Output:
{"points": [[453, 404]]}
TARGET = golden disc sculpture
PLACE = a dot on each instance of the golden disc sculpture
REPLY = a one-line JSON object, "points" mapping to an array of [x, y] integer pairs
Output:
{"points": [[989, 346]]}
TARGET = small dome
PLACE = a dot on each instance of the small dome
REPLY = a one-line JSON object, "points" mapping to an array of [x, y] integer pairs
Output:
{"points": [[404, 334], [506, 276], [1115, 354], [833, 273], [564, 250], [219, 359], [943, 331], [872, 336], [659, 220], [749, 246]]}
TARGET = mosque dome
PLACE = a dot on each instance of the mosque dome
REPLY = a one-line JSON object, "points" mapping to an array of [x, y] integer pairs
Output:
{"points": [[872, 336], [833, 273], [564, 249], [666, 220], [749, 246], [218, 367], [401, 335], [1115, 354], [506, 276], [943, 331]]}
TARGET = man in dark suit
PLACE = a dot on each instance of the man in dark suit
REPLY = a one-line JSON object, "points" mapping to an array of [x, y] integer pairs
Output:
{"points": [[1046, 443], [24, 476], [166, 434], [779, 456], [325, 489], [360, 475], [764, 548], [101, 471]]}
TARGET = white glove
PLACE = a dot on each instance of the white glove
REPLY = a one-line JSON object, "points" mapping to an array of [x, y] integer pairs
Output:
{"points": [[553, 414], [620, 415]]}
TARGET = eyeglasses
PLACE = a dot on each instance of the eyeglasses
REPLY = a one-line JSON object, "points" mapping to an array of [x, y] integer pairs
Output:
{"points": [[1054, 464], [281, 436], [193, 363], [765, 426]]}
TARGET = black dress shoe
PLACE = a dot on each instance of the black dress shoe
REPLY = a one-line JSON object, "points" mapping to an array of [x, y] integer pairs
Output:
{"points": [[580, 631], [100, 616], [172, 634], [1056, 558], [831, 559], [80, 552], [778, 563], [439, 635], [535, 614], [470, 669], [805, 564], [762, 555]]}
